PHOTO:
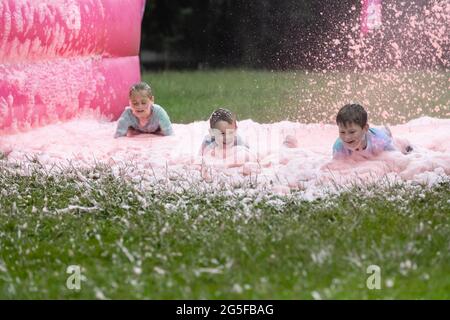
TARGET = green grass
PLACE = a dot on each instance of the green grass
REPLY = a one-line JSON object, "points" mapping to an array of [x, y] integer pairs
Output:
{"points": [[222, 244], [193, 96], [236, 243], [300, 96]]}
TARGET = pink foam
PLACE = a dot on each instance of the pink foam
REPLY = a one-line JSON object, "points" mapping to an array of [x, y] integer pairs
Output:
{"points": [[308, 167]]}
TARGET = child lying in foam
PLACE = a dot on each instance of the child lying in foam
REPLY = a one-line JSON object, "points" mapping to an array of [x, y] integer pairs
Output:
{"points": [[355, 136], [222, 132], [143, 115]]}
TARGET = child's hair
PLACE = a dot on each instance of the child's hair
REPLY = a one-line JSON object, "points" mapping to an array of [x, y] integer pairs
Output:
{"points": [[221, 114], [352, 113], [141, 86]]}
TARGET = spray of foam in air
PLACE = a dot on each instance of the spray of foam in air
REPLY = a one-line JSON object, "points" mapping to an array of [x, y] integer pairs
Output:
{"points": [[399, 70]]}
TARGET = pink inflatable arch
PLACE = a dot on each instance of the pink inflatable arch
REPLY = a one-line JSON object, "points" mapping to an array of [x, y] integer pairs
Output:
{"points": [[61, 57]]}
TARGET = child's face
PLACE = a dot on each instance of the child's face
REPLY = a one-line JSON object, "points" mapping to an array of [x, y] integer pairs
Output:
{"points": [[352, 135], [141, 104], [224, 133]]}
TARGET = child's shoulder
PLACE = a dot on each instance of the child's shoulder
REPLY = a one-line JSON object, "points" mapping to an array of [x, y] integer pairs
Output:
{"points": [[381, 132], [208, 142], [127, 112], [380, 138], [380, 135], [339, 151], [158, 108], [374, 129], [208, 139], [338, 145], [160, 111]]}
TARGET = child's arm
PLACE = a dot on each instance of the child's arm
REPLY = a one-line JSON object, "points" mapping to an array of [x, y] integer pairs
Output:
{"points": [[164, 122], [382, 140], [123, 124], [207, 144], [339, 151], [203, 148], [390, 146]]}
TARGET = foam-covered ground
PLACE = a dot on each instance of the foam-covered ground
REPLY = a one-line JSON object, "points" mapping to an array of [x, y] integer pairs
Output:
{"points": [[308, 167]]}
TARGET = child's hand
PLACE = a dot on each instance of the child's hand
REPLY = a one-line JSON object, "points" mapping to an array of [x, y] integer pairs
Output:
{"points": [[403, 145], [132, 132]]}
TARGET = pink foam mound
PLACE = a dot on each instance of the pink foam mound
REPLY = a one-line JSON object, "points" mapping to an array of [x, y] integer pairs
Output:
{"points": [[282, 156], [61, 57]]}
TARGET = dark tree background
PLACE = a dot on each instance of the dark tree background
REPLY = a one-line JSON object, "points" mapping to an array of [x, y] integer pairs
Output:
{"points": [[271, 34], [274, 34]]}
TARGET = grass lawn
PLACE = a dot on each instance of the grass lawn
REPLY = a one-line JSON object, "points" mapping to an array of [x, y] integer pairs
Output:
{"points": [[222, 244], [390, 97], [230, 243]]}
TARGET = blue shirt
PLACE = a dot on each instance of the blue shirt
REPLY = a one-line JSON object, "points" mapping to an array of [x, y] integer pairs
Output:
{"points": [[159, 122], [378, 140], [210, 142]]}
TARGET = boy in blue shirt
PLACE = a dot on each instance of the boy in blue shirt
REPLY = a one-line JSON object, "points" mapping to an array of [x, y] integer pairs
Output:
{"points": [[355, 136], [143, 115]]}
